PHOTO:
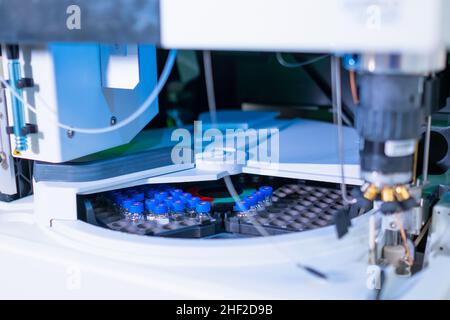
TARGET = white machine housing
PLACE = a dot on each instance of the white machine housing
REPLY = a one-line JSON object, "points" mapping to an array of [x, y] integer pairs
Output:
{"points": [[379, 26]]}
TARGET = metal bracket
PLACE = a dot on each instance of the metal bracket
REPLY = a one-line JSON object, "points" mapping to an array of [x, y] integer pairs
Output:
{"points": [[25, 83], [28, 129]]}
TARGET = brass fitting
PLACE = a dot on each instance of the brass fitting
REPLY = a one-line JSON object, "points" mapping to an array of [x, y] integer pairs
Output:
{"points": [[402, 193], [371, 193], [387, 194]]}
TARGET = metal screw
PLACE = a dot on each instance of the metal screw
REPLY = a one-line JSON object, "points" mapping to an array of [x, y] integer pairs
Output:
{"points": [[393, 225], [70, 134], [113, 121]]}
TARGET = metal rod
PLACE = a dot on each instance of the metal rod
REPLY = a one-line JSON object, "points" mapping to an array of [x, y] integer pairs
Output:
{"points": [[210, 92], [426, 154], [416, 160], [372, 240], [209, 77], [337, 107]]}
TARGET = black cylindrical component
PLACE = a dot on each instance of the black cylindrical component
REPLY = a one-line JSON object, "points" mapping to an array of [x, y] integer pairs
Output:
{"points": [[388, 157], [390, 107], [12, 51], [389, 122]]}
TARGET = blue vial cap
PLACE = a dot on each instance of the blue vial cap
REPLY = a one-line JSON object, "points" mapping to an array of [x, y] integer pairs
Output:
{"points": [[150, 204], [176, 193], [126, 203], [267, 191], [259, 196], [138, 196], [186, 196], [150, 194], [160, 209], [168, 201], [136, 208], [178, 206], [251, 200], [203, 207], [193, 202], [161, 196], [242, 206]]}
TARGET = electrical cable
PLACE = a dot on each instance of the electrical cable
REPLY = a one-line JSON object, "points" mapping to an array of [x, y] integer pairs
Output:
{"points": [[353, 87], [141, 110], [232, 190], [409, 258], [286, 64]]}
